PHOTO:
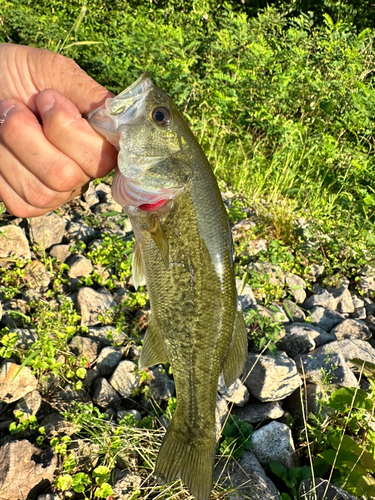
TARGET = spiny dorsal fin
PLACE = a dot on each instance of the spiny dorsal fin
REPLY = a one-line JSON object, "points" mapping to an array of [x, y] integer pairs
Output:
{"points": [[234, 363], [153, 352], [158, 235], [137, 265]]}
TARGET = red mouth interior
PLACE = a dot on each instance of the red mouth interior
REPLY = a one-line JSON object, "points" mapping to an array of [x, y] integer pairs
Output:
{"points": [[148, 207]]}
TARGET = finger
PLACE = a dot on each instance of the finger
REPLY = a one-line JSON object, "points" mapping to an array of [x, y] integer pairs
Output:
{"points": [[40, 164], [65, 128]]}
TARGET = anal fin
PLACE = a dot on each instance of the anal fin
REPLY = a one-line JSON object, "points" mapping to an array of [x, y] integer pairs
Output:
{"points": [[234, 363], [137, 267], [153, 352], [158, 235]]}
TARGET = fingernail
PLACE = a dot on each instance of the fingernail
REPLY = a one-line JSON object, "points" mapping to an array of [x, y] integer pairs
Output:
{"points": [[5, 107], [48, 101]]}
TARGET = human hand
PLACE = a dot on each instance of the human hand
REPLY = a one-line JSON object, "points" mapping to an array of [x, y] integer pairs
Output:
{"points": [[48, 152]]}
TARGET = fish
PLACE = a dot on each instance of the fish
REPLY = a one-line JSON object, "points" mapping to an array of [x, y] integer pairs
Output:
{"points": [[184, 251]]}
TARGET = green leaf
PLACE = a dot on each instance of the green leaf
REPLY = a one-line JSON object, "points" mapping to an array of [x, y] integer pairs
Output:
{"points": [[64, 482], [279, 469], [104, 491]]}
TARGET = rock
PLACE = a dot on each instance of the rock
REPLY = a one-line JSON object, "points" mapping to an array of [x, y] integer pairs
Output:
{"points": [[60, 252], [321, 297], [357, 302], [269, 378], [318, 335], [91, 196], [258, 412], [106, 335], [13, 244], [370, 309], [48, 496], [79, 266], [236, 393], [367, 282], [104, 208], [276, 313], [26, 337], [14, 311], [220, 415], [125, 484], [15, 386], [67, 393], [108, 359], [52, 423], [349, 348], [297, 287], [246, 298], [161, 385], [104, 193], [91, 304], [274, 443], [30, 403], [352, 329], [313, 396], [325, 367], [246, 478], [35, 473], [359, 313], [104, 395], [79, 231], [293, 312], [296, 340], [37, 276], [322, 490], [274, 273], [370, 322], [91, 375], [124, 380], [343, 298], [85, 346], [122, 414], [315, 271], [325, 317], [47, 230]]}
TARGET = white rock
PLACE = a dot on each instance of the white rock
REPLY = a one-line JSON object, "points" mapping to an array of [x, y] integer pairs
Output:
{"points": [[274, 443]]}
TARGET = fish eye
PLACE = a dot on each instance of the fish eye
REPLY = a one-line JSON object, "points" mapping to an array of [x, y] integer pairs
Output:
{"points": [[161, 116]]}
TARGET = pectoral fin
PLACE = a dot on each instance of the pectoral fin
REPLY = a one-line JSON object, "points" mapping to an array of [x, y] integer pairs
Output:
{"points": [[153, 352], [234, 363], [137, 265], [158, 235]]}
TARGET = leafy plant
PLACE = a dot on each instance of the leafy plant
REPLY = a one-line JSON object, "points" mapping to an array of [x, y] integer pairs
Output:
{"points": [[292, 478], [237, 435]]}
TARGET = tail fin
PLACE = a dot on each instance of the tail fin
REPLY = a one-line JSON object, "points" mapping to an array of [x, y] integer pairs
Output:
{"points": [[191, 462]]}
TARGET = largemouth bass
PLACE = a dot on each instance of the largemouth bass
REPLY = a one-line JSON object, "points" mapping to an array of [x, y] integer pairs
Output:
{"points": [[184, 250]]}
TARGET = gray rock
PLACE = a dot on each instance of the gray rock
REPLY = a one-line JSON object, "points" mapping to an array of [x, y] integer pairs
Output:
{"points": [[37, 276], [103, 208], [91, 196], [47, 230], [108, 359], [325, 317], [67, 393], [124, 380], [60, 252], [92, 304], [321, 297], [318, 335], [48, 496], [357, 302], [26, 337], [104, 395], [258, 412], [322, 491], [349, 348], [315, 271], [370, 309], [104, 193], [269, 378], [79, 231], [326, 368], [13, 312], [343, 298], [85, 346], [297, 287], [359, 313], [161, 385], [15, 386], [125, 484], [13, 244], [246, 298], [106, 335], [274, 273], [352, 329], [35, 473], [312, 395], [294, 313], [367, 282], [370, 322], [296, 340], [236, 393], [30, 403], [91, 375], [52, 423], [274, 443], [79, 266], [246, 479], [122, 414], [221, 413]]}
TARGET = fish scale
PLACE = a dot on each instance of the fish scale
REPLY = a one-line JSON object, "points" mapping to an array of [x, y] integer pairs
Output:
{"points": [[184, 249]]}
